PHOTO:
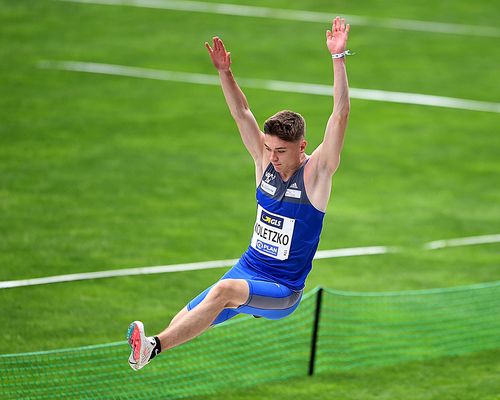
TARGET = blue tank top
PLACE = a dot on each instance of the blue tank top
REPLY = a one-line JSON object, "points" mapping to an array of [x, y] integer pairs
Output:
{"points": [[286, 231]]}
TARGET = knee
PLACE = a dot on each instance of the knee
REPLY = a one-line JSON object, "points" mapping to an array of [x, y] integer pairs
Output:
{"points": [[230, 292], [223, 289]]}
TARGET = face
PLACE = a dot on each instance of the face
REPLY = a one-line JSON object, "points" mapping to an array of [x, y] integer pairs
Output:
{"points": [[284, 156]]}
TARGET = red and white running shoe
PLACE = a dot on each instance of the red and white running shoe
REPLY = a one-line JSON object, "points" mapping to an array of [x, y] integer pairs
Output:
{"points": [[142, 346]]}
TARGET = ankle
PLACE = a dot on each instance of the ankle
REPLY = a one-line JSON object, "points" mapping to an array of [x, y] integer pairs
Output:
{"points": [[157, 347]]}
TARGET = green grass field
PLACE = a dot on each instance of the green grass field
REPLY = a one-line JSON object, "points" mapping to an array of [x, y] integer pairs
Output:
{"points": [[103, 172]]}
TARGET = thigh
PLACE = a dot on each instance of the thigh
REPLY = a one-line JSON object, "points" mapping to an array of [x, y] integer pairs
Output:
{"points": [[270, 300], [267, 299]]}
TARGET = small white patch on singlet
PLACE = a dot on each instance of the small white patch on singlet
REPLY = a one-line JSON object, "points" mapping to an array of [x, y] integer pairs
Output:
{"points": [[266, 187], [293, 193]]}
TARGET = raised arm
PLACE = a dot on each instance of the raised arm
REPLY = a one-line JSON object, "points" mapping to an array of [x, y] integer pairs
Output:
{"points": [[325, 160], [252, 137], [329, 155]]}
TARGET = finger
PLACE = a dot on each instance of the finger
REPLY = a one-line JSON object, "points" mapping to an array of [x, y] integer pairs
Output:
{"points": [[342, 25], [229, 57], [216, 43], [222, 46], [347, 28], [328, 34], [208, 47], [337, 23]]}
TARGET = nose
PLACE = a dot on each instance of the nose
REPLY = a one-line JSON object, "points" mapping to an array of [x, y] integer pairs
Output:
{"points": [[273, 156]]}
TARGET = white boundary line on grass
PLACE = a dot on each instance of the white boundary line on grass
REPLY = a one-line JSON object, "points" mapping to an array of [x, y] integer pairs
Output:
{"points": [[280, 86], [301, 15], [321, 254], [356, 251], [466, 241]]}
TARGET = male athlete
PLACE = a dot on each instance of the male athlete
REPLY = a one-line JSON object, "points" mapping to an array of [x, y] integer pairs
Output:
{"points": [[293, 190]]}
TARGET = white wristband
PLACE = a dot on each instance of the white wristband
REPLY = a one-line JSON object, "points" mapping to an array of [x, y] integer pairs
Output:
{"points": [[343, 54]]}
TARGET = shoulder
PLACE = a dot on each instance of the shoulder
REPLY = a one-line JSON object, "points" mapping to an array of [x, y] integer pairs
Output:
{"points": [[265, 165], [317, 181], [261, 167], [313, 169]]}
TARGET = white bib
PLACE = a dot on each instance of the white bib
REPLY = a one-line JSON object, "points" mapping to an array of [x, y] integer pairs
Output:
{"points": [[272, 234]]}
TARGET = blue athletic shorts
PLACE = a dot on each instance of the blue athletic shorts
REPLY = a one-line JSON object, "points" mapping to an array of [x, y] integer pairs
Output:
{"points": [[267, 299]]}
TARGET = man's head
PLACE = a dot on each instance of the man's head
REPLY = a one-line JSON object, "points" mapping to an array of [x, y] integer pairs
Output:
{"points": [[284, 140], [287, 125]]}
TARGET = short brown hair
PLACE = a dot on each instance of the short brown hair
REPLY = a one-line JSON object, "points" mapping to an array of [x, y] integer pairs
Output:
{"points": [[287, 125]]}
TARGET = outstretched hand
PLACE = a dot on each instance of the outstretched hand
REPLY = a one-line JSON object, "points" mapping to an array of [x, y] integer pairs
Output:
{"points": [[220, 57], [336, 39]]}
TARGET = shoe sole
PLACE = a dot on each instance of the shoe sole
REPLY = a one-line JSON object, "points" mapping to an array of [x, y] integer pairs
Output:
{"points": [[135, 330]]}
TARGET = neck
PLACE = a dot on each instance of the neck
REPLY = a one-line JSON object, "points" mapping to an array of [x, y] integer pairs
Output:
{"points": [[286, 175]]}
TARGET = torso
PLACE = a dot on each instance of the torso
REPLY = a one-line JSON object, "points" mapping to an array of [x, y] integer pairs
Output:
{"points": [[287, 229]]}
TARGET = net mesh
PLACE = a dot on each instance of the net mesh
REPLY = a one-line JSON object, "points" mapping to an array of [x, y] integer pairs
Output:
{"points": [[363, 329], [355, 330]]}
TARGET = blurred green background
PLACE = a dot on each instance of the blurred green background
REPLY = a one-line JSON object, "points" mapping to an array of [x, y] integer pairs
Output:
{"points": [[105, 172]]}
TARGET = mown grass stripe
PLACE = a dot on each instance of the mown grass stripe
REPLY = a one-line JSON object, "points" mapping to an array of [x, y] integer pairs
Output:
{"points": [[301, 15]]}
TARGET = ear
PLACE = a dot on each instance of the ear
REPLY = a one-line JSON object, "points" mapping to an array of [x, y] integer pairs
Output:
{"points": [[303, 145]]}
